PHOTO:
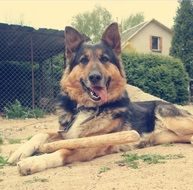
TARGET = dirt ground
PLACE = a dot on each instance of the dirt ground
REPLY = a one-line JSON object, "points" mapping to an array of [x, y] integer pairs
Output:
{"points": [[99, 174]]}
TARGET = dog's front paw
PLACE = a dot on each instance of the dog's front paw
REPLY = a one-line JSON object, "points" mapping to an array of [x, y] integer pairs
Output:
{"points": [[28, 148], [39, 163], [31, 165]]}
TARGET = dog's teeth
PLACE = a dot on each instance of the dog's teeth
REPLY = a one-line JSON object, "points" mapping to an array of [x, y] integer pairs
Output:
{"points": [[94, 96]]}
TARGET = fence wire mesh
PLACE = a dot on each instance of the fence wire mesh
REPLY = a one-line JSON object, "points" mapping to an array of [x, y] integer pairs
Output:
{"points": [[31, 65]]}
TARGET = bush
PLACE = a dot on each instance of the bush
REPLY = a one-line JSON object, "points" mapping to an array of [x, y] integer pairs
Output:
{"points": [[16, 110], [161, 76], [15, 83]]}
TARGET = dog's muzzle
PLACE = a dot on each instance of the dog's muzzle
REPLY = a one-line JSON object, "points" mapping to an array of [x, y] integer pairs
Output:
{"points": [[97, 93]]}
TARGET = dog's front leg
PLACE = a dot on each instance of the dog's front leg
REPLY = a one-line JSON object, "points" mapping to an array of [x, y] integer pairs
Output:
{"points": [[59, 158], [42, 162], [31, 146]]}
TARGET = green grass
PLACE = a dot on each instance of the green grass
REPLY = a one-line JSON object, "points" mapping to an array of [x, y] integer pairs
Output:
{"points": [[167, 144], [14, 141], [28, 138], [36, 179], [103, 169], [133, 160], [3, 161], [17, 111], [18, 141], [1, 139]]}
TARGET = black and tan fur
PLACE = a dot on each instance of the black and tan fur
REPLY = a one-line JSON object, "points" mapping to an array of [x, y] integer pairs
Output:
{"points": [[94, 102]]}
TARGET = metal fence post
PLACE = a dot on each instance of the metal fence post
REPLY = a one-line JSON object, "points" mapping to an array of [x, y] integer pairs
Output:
{"points": [[32, 65]]}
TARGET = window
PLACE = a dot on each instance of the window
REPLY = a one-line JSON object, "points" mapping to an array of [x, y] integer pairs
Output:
{"points": [[156, 43]]}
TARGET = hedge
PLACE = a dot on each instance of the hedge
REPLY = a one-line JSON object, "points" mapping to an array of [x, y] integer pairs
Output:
{"points": [[161, 76], [16, 82]]}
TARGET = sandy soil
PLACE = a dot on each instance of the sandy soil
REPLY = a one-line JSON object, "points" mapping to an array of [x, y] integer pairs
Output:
{"points": [[175, 174]]}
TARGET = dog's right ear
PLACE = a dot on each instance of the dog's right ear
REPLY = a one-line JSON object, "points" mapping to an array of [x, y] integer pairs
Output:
{"points": [[73, 39]]}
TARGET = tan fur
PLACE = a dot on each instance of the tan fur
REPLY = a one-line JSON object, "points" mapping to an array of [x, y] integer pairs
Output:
{"points": [[177, 129], [180, 125], [118, 83], [70, 82]]}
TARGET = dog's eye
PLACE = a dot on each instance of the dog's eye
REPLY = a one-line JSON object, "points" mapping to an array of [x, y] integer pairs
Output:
{"points": [[84, 60], [104, 59]]}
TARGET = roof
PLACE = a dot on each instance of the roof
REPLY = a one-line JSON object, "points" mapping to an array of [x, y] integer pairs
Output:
{"points": [[22, 43], [131, 32]]}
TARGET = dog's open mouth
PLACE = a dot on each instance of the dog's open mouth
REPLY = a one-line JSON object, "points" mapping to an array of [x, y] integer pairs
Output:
{"points": [[96, 93]]}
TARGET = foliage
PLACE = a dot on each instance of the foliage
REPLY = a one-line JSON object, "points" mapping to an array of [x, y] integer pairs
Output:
{"points": [[161, 76], [132, 20], [14, 141], [92, 23], [1, 139], [36, 179], [3, 160], [132, 160], [182, 42], [52, 71], [103, 169], [16, 110], [16, 82]]}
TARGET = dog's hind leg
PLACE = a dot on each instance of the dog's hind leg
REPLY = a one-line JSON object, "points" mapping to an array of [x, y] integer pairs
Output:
{"points": [[169, 130], [168, 136], [31, 146], [172, 125], [181, 125], [162, 137]]}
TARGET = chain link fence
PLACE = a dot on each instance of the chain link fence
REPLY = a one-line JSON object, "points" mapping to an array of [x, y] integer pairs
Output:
{"points": [[31, 65]]}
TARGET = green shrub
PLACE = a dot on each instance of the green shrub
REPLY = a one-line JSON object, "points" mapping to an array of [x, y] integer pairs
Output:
{"points": [[161, 76], [15, 83], [16, 110]]}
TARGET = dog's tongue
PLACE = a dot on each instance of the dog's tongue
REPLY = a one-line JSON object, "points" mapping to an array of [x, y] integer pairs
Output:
{"points": [[102, 92]]}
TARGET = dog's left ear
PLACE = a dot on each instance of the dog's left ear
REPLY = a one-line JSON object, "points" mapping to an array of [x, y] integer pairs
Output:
{"points": [[112, 37]]}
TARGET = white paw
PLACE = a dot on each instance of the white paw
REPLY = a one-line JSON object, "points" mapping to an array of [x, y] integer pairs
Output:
{"points": [[28, 148], [31, 165], [39, 163]]}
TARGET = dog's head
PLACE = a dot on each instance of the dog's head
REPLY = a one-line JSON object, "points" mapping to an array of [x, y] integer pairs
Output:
{"points": [[94, 73]]}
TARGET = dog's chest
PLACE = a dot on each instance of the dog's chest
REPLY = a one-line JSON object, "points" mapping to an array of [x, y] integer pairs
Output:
{"points": [[75, 129]]}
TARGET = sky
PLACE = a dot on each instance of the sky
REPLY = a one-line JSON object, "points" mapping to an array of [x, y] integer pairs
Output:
{"points": [[57, 14]]}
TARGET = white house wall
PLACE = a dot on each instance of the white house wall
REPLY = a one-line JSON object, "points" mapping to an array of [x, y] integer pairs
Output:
{"points": [[141, 41]]}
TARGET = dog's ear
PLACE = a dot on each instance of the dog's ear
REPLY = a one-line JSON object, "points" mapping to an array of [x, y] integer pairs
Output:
{"points": [[112, 37], [73, 39]]}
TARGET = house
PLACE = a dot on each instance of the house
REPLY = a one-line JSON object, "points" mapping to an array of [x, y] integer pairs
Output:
{"points": [[147, 37]]}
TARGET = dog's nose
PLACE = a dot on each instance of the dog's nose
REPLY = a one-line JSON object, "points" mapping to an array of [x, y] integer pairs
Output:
{"points": [[95, 77]]}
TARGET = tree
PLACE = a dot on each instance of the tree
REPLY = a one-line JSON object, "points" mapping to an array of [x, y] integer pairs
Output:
{"points": [[92, 23], [132, 20], [182, 41]]}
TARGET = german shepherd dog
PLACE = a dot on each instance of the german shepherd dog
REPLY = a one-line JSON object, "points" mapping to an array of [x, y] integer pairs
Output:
{"points": [[95, 102]]}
